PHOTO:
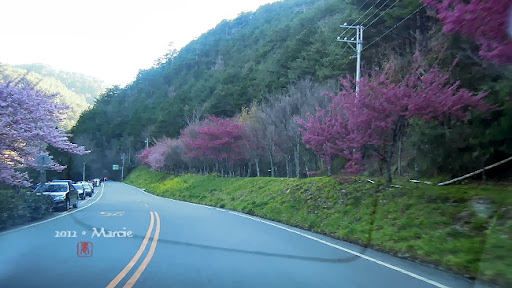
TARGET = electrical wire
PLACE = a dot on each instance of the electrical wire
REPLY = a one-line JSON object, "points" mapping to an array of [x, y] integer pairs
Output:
{"points": [[396, 25], [375, 12], [366, 11], [337, 58], [360, 16], [390, 7]]}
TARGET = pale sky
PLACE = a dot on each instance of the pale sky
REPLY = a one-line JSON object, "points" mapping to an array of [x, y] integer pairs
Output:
{"points": [[107, 39]]}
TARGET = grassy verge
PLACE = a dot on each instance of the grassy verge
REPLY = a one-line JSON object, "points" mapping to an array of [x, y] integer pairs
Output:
{"points": [[466, 229]]}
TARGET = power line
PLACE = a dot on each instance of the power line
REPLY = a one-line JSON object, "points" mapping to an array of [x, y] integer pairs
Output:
{"points": [[361, 6], [360, 16], [366, 11], [337, 58], [374, 12], [394, 26], [382, 13], [360, 9]]}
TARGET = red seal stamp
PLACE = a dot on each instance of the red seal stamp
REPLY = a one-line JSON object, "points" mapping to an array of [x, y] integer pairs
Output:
{"points": [[84, 249]]}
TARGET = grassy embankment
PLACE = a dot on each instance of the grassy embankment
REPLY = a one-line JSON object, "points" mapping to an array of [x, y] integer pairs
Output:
{"points": [[437, 225]]}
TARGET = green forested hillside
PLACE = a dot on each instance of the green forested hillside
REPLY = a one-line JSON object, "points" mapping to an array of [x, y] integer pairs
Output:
{"points": [[76, 102], [88, 87], [261, 56], [236, 63]]}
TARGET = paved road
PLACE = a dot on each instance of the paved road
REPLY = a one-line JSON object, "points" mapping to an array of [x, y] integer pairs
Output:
{"points": [[124, 237]]}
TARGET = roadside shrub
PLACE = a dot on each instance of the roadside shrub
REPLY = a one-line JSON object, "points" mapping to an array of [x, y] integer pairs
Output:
{"points": [[23, 207]]}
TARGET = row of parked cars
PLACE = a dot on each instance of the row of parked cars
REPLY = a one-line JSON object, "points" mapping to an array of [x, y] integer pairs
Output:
{"points": [[66, 193]]}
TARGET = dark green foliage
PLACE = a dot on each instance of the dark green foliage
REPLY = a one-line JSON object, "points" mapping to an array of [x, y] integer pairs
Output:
{"points": [[22, 207]]}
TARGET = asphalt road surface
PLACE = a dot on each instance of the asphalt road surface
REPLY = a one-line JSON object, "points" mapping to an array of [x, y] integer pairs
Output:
{"points": [[125, 237]]}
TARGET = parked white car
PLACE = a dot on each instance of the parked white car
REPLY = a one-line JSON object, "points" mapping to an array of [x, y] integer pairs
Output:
{"points": [[96, 182], [81, 191]]}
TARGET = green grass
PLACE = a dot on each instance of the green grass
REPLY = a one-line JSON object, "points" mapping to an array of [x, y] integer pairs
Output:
{"points": [[428, 223]]}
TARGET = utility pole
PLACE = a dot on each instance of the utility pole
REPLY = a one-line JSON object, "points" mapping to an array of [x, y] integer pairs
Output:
{"points": [[122, 167], [359, 47], [43, 162], [83, 171]]}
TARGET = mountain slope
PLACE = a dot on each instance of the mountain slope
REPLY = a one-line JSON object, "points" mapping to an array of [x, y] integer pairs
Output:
{"points": [[76, 102], [89, 87], [238, 62]]}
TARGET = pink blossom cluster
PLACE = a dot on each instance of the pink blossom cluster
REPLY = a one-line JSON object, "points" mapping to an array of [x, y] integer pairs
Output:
{"points": [[215, 139], [28, 123], [376, 116], [484, 21]]}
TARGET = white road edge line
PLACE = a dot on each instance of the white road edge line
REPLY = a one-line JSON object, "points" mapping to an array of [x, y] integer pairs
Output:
{"points": [[181, 201], [56, 217], [421, 278], [346, 250]]}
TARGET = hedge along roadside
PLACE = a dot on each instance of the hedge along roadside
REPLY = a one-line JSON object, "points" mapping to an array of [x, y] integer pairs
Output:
{"points": [[22, 207]]}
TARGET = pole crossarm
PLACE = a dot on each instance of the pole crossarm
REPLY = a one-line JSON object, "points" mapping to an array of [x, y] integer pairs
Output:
{"points": [[359, 47]]}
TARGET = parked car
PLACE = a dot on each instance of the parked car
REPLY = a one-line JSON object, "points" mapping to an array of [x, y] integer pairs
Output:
{"points": [[63, 194], [88, 188], [67, 181], [80, 189], [96, 182]]}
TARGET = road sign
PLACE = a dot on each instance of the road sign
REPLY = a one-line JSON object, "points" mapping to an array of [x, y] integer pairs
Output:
{"points": [[43, 160], [115, 167]]}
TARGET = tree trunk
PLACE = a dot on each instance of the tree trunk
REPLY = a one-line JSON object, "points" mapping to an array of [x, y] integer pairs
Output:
{"points": [[387, 160], [329, 168], [257, 161], [388, 170], [271, 164], [418, 34], [400, 157], [287, 161], [297, 163], [483, 171], [249, 166], [387, 164]]}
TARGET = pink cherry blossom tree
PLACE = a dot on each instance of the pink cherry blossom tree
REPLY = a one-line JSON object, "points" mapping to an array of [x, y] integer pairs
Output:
{"points": [[220, 140], [28, 123], [374, 119], [144, 155], [254, 142], [157, 153], [484, 21], [166, 154]]}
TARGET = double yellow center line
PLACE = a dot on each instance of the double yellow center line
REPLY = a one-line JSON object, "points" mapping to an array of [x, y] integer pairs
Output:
{"points": [[137, 255]]}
